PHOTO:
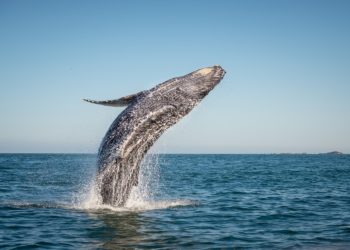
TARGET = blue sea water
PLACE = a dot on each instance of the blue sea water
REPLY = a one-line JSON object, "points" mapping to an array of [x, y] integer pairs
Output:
{"points": [[184, 201]]}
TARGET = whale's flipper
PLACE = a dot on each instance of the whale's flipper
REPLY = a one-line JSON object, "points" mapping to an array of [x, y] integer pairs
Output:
{"points": [[121, 102]]}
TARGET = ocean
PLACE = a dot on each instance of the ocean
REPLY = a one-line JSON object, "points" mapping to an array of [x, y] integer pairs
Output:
{"points": [[47, 201]]}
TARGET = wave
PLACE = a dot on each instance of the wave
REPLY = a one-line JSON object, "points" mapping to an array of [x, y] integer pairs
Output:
{"points": [[27, 204], [131, 206], [140, 205]]}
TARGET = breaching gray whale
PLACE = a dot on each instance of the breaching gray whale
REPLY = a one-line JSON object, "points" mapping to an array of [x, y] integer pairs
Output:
{"points": [[148, 114]]}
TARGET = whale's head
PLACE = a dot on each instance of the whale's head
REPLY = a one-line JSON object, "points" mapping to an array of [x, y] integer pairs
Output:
{"points": [[186, 91], [200, 82]]}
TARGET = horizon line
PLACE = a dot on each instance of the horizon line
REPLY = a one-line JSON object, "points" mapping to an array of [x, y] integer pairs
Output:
{"points": [[164, 153]]}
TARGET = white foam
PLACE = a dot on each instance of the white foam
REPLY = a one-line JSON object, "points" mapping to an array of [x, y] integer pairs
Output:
{"points": [[136, 202]]}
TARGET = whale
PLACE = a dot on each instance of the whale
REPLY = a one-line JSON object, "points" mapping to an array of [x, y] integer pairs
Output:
{"points": [[148, 114]]}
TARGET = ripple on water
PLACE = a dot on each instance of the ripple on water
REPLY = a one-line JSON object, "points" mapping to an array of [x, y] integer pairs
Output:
{"points": [[188, 201]]}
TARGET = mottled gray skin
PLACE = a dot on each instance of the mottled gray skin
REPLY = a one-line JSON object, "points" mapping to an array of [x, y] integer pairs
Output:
{"points": [[135, 130]]}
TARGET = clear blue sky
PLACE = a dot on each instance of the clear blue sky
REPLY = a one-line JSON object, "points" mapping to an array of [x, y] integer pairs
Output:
{"points": [[287, 87]]}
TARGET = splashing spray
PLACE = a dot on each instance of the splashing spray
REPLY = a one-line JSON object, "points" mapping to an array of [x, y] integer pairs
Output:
{"points": [[141, 196]]}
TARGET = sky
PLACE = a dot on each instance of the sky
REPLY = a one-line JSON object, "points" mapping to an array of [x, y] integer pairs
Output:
{"points": [[287, 86]]}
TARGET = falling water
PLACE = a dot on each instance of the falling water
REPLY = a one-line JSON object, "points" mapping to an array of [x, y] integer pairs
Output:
{"points": [[148, 184], [147, 195], [141, 195]]}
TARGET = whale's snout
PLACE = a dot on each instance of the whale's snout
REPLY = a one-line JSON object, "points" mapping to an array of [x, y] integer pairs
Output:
{"points": [[204, 80], [219, 72]]}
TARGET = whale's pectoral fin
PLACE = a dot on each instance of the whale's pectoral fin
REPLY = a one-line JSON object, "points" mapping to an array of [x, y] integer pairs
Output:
{"points": [[121, 102]]}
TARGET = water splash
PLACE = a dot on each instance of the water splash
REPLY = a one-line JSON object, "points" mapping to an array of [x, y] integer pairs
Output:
{"points": [[148, 185], [142, 197]]}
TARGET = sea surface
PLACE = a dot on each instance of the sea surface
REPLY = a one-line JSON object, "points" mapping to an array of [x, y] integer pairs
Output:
{"points": [[47, 201]]}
